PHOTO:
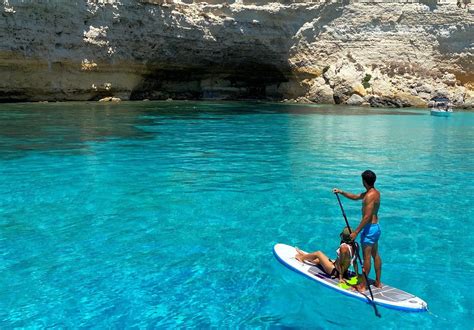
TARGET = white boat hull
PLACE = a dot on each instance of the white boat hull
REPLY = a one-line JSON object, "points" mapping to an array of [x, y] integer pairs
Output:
{"points": [[441, 113]]}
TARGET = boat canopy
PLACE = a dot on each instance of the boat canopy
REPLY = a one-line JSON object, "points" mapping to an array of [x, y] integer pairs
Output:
{"points": [[440, 99]]}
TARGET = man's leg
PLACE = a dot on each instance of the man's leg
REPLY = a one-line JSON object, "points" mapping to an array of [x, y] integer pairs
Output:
{"points": [[377, 265], [367, 251]]}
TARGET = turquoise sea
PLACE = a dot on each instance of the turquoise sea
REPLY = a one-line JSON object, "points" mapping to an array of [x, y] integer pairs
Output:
{"points": [[164, 214]]}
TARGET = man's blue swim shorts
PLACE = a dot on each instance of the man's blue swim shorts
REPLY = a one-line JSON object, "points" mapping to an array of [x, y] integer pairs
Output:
{"points": [[370, 234]]}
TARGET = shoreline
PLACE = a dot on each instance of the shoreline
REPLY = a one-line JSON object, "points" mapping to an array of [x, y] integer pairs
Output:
{"points": [[249, 101]]}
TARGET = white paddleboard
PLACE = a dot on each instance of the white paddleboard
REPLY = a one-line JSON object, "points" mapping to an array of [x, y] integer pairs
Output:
{"points": [[385, 296]]}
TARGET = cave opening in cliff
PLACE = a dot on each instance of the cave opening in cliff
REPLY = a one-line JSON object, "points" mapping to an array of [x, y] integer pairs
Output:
{"points": [[240, 81]]}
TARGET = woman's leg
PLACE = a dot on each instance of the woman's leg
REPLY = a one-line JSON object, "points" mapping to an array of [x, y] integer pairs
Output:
{"points": [[311, 257], [324, 261]]}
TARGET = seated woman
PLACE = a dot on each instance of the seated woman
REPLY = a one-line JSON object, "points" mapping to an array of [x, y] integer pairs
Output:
{"points": [[346, 256]]}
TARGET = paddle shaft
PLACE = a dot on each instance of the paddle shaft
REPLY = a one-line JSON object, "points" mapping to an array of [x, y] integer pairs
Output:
{"points": [[358, 257]]}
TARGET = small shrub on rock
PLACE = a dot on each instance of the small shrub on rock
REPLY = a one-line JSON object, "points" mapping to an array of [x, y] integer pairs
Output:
{"points": [[365, 81]]}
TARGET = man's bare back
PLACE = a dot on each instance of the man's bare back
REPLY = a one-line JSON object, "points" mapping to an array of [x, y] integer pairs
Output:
{"points": [[371, 203]]}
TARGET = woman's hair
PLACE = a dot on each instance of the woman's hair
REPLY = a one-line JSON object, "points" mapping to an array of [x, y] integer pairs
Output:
{"points": [[345, 235]]}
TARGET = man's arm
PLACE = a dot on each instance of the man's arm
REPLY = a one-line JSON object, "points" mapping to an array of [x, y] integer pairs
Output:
{"points": [[348, 194]]}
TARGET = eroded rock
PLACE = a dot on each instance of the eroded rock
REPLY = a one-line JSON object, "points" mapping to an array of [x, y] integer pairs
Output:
{"points": [[320, 92], [355, 100], [162, 49], [110, 99]]}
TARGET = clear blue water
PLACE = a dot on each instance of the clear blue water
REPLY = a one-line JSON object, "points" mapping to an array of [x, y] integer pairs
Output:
{"points": [[164, 215]]}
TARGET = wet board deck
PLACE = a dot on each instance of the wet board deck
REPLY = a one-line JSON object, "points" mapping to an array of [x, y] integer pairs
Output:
{"points": [[386, 296]]}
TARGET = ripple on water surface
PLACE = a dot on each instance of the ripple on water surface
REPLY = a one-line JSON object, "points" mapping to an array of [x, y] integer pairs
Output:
{"points": [[164, 214]]}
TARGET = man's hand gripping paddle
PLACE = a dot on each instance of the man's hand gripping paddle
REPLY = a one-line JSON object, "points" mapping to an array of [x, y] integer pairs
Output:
{"points": [[360, 261]]}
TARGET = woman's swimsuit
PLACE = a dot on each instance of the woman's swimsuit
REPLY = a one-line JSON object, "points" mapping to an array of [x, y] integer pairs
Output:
{"points": [[335, 273]]}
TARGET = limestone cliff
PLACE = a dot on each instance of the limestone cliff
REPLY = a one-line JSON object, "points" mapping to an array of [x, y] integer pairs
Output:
{"points": [[383, 54]]}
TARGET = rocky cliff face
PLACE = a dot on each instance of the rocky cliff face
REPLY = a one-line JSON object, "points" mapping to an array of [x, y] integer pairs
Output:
{"points": [[378, 54]]}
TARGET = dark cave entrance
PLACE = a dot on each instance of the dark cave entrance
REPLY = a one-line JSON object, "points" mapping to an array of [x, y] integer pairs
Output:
{"points": [[250, 80]]}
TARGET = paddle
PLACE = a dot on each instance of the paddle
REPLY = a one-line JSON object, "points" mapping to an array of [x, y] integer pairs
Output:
{"points": [[358, 257]]}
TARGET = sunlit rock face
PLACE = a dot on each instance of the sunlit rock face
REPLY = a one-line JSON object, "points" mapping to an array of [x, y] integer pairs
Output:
{"points": [[142, 50], [317, 52]]}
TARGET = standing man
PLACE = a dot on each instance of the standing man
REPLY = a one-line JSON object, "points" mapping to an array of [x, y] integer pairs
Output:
{"points": [[368, 227]]}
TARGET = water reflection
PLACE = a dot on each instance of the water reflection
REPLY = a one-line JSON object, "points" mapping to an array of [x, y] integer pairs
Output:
{"points": [[67, 127]]}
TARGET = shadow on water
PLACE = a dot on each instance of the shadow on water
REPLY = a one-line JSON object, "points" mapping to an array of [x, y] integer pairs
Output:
{"points": [[67, 128], [64, 127]]}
